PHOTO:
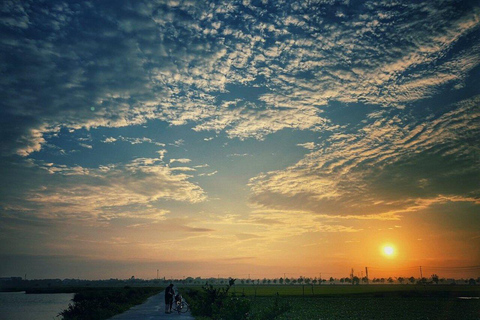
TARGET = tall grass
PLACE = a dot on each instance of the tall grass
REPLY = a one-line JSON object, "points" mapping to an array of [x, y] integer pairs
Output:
{"points": [[101, 303]]}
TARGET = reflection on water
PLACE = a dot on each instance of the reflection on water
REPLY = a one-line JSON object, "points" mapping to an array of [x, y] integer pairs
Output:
{"points": [[21, 306]]}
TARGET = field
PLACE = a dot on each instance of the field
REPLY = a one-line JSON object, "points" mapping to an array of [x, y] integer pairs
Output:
{"points": [[363, 301], [370, 290], [373, 308]]}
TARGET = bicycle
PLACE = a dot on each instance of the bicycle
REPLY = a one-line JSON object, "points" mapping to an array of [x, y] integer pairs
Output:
{"points": [[180, 306]]}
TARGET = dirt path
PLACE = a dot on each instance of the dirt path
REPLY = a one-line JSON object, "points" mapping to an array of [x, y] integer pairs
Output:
{"points": [[152, 309]]}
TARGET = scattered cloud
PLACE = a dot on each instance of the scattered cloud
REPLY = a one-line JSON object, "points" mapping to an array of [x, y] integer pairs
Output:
{"points": [[135, 189], [183, 160], [128, 72], [383, 167], [307, 145], [109, 140]]}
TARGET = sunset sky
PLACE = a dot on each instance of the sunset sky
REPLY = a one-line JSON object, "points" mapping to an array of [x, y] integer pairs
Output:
{"points": [[237, 138]]}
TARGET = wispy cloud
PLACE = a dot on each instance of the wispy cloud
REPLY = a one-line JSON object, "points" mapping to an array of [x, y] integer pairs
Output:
{"points": [[357, 173], [130, 190]]}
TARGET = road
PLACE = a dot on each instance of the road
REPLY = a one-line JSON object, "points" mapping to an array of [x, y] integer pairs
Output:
{"points": [[152, 309]]}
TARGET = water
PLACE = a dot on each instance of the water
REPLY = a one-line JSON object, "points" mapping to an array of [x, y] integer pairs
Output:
{"points": [[21, 306]]}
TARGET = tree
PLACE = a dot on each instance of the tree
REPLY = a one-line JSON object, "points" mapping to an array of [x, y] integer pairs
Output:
{"points": [[411, 279], [435, 278], [280, 280], [287, 281], [401, 279], [332, 280], [390, 280], [314, 281], [355, 280]]}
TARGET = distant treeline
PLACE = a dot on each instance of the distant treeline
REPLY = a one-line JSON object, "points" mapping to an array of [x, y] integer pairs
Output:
{"points": [[72, 285]]}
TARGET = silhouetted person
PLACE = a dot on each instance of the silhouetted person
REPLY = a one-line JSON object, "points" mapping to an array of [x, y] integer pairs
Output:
{"points": [[169, 294]]}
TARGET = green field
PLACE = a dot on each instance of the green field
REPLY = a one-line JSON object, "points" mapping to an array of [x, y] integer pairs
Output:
{"points": [[372, 308], [370, 290], [362, 302]]}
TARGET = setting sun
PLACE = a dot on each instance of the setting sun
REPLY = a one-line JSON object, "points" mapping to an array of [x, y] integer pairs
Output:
{"points": [[389, 250]]}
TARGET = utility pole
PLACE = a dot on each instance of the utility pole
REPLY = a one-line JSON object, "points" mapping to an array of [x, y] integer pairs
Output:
{"points": [[421, 274], [320, 279], [366, 273], [157, 274]]}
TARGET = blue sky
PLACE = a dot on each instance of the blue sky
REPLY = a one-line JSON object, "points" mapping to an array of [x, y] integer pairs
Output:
{"points": [[240, 136]]}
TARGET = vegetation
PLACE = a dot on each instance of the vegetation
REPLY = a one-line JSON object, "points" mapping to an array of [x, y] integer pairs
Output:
{"points": [[103, 303], [281, 302], [220, 303], [350, 307], [217, 303]]}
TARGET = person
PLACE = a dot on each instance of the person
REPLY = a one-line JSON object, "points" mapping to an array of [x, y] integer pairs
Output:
{"points": [[169, 294]]}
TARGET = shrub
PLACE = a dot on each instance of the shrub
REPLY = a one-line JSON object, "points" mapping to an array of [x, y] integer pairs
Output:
{"points": [[99, 304], [215, 303]]}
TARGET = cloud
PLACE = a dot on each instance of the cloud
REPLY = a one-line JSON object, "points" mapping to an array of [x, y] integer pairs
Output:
{"points": [[388, 164], [182, 160], [208, 174], [307, 145], [183, 64], [135, 189], [85, 145], [109, 140]]}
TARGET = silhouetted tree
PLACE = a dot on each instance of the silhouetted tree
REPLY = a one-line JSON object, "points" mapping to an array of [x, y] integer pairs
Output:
{"points": [[401, 279], [332, 280], [435, 278], [411, 279], [390, 280]]}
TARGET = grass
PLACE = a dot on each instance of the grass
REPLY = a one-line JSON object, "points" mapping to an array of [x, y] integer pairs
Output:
{"points": [[362, 302], [340, 307], [370, 290], [103, 303]]}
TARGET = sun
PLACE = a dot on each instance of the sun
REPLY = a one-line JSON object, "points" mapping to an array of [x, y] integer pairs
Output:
{"points": [[388, 250]]}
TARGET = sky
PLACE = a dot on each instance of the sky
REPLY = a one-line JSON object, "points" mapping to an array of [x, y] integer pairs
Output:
{"points": [[239, 138]]}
